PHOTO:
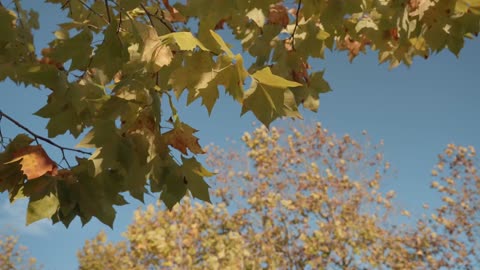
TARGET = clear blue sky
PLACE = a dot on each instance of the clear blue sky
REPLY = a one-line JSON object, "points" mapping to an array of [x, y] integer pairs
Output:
{"points": [[417, 111]]}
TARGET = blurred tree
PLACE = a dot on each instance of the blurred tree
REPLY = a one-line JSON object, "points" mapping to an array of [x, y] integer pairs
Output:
{"points": [[13, 257], [305, 199]]}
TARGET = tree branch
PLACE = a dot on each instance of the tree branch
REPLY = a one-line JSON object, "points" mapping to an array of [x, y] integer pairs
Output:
{"points": [[292, 37], [148, 15], [38, 137], [162, 20], [108, 11]]}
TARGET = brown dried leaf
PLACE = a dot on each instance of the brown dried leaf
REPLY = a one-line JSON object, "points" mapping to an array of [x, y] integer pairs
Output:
{"points": [[353, 46], [278, 15], [181, 138]]}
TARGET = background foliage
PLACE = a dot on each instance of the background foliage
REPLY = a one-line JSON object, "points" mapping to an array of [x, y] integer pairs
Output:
{"points": [[305, 199], [13, 256]]}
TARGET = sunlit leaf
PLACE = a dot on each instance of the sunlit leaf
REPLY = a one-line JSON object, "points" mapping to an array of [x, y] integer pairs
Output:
{"points": [[35, 161]]}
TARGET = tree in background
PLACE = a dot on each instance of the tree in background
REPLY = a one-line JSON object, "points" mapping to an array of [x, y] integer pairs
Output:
{"points": [[13, 257], [305, 199], [114, 66]]}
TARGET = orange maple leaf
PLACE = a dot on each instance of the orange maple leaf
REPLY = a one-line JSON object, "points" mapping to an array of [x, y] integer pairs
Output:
{"points": [[35, 161], [181, 138]]}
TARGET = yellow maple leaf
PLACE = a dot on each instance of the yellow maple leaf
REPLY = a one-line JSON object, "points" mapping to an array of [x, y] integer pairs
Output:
{"points": [[155, 51]]}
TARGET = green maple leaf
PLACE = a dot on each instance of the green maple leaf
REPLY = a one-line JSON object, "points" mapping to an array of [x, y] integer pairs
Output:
{"points": [[194, 172], [69, 109], [113, 151], [308, 95], [93, 195], [7, 18], [209, 95], [11, 178], [218, 9], [229, 72], [47, 75], [75, 48], [111, 54], [166, 177], [129, 4], [41, 208], [135, 167], [42, 186], [233, 76], [266, 98], [92, 203], [195, 73]]}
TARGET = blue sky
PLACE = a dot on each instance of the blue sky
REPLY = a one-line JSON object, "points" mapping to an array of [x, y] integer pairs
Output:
{"points": [[417, 111]]}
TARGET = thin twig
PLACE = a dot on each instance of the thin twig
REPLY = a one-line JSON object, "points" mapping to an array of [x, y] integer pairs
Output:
{"points": [[162, 20], [93, 11], [65, 4], [119, 22], [20, 18], [292, 37], [1, 134], [108, 11], [38, 137], [148, 14], [87, 68]]}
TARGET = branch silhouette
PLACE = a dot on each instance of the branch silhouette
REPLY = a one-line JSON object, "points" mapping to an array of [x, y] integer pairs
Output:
{"points": [[39, 137]]}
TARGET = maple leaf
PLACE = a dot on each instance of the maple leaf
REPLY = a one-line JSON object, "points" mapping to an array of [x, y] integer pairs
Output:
{"points": [[278, 14], [181, 138], [35, 161], [354, 47], [195, 74], [155, 51], [229, 72], [270, 97], [194, 172]]}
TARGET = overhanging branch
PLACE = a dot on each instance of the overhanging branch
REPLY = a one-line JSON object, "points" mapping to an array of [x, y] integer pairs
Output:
{"points": [[39, 137]]}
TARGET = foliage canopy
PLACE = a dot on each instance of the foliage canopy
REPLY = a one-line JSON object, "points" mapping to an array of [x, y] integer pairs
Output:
{"points": [[115, 65]]}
